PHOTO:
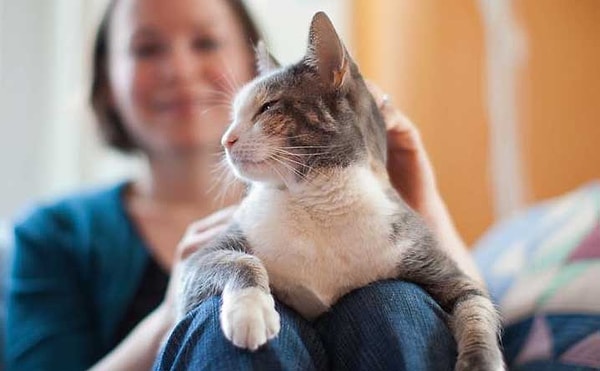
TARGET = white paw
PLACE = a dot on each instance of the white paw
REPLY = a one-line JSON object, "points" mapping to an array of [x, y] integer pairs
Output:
{"points": [[248, 317], [481, 360]]}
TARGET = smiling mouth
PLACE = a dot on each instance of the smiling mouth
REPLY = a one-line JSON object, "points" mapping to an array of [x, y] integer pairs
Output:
{"points": [[180, 105]]}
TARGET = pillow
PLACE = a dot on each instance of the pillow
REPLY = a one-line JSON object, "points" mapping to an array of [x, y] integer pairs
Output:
{"points": [[542, 268]]}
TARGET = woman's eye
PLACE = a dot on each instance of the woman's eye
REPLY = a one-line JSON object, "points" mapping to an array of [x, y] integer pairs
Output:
{"points": [[267, 106], [206, 44], [148, 50]]}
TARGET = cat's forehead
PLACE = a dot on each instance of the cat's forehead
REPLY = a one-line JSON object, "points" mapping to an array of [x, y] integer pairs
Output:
{"points": [[260, 88], [247, 95]]}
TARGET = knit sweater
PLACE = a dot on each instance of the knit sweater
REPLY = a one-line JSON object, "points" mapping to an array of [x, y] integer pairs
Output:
{"points": [[76, 266]]}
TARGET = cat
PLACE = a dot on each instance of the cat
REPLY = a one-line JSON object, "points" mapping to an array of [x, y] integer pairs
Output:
{"points": [[321, 217]]}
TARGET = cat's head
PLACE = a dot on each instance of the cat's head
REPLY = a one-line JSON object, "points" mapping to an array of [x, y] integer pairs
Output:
{"points": [[296, 122]]}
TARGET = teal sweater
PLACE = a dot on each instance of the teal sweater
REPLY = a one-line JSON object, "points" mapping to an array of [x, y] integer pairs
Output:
{"points": [[76, 267]]}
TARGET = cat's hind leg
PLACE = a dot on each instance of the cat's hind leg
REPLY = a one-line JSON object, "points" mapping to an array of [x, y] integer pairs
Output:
{"points": [[474, 319]]}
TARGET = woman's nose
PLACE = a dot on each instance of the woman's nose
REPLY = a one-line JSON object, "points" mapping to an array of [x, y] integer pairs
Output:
{"points": [[180, 66]]}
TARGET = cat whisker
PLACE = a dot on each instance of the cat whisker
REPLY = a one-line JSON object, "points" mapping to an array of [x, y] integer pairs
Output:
{"points": [[219, 154], [220, 93], [218, 101], [299, 136], [289, 167], [279, 174], [289, 159], [303, 175], [205, 111], [310, 168], [310, 147], [279, 150], [230, 77], [224, 177]]}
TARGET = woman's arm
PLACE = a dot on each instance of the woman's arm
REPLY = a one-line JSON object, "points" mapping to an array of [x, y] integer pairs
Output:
{"points": [[49, 324], [411, 173], [139, 349]]}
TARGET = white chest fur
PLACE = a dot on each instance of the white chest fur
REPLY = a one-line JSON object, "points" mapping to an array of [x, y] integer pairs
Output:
{"points": [[319, 244]]}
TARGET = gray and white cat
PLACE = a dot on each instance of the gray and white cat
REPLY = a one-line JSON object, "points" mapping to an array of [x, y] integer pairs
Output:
{"points": [[321, 217]]}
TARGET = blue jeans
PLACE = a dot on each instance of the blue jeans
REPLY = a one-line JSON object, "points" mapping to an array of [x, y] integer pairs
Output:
{"points": [[389, 325]]}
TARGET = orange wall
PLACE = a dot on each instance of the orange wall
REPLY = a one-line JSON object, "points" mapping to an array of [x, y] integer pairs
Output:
{"points": [[430, 56], [561, 94]]}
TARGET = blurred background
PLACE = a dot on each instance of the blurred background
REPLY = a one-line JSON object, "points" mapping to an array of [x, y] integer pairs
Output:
{"points": [[505, 93]]}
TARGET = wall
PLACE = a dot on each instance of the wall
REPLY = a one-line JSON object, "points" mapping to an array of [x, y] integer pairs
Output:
{"points": [[561, 94], [431, 57]]}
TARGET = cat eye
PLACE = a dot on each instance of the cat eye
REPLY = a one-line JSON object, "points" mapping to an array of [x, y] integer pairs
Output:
{"points": [[267, 106]]}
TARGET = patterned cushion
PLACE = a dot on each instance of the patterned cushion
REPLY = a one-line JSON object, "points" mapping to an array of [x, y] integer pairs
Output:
{"points": [[543, 270]]}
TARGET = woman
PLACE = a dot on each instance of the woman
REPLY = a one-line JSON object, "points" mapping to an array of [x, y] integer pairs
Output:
{"points": [[90, 272]]}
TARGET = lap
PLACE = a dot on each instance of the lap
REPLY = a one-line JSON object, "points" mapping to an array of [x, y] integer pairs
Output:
{"points": [[389, 325], [197, 342], [386, 325]]}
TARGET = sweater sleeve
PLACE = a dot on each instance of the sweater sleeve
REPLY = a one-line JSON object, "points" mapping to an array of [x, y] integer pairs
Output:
{"points": [[49, 318]]}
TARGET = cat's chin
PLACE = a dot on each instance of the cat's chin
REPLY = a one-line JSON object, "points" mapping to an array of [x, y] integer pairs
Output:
{"points": [[259, 171]]}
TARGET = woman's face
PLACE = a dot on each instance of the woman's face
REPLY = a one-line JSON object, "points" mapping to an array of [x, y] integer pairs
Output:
{"points": [[173, 66]]}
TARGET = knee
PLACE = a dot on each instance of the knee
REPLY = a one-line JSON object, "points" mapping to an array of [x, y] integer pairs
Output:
{"points": [[390, 296], [388, 304], [395, 322]]}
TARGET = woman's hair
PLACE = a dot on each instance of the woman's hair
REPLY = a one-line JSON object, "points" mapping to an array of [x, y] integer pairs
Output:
{"points": [[110, 123]]}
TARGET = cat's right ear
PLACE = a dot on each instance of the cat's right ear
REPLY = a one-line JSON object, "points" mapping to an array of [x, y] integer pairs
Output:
{"points": [[327, 52], [265, 62]]}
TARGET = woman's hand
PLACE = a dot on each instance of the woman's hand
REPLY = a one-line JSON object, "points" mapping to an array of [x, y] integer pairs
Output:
{"points": [[408, 165], [138, 350], [198, 235], [411, 174]]}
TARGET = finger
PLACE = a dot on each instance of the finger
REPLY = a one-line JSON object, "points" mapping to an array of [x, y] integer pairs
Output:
{"points": [[217, 218], [377, 93], [396, 120], [200, 240]]}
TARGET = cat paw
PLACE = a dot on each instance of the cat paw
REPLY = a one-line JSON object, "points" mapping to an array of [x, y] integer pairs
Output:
{"points": [[481, 361], [248, 317]]}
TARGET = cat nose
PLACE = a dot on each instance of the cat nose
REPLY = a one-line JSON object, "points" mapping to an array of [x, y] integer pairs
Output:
{"points": [[229, 140]]}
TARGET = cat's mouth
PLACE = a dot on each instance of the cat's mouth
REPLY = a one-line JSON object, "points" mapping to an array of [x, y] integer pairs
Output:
{"points": [[245, 163]]}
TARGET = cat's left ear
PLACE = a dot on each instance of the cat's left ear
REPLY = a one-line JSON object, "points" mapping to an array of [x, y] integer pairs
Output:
{"points": [[326, 51], [265, 62]]}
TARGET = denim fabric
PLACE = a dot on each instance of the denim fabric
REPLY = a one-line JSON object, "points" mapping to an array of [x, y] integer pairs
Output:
{"points": [[197, 343], [388, 325]]}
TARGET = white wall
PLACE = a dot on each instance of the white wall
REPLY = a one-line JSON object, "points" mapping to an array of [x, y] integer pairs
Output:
{"points": [[48, 144], [286, 22], [24, 90]]}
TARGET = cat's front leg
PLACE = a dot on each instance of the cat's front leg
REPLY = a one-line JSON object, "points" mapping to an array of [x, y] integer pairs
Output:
{"points": [[248, 317]]}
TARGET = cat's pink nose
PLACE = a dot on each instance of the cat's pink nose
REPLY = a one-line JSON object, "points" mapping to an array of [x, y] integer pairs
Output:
{"points": [[229, 140]]}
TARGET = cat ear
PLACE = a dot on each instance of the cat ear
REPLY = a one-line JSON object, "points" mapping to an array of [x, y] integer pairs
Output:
{"points": [[265, 62], [326, 51]]}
